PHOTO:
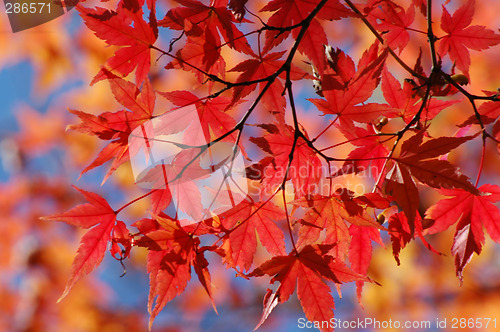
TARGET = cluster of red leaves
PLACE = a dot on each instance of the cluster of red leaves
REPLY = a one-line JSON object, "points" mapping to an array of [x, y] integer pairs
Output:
{"points": [[322, 235]]}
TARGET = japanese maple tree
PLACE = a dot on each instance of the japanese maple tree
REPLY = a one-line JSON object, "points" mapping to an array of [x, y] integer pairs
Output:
{"points": [[272, 82]]}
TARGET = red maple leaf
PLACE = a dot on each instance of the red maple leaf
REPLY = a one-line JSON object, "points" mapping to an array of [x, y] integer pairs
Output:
{"points": [[347, 100], [244, 222], [402, 233], [238, 8], [406, 102], [416, 161], [140, 102], [291, 12], [160, 199], [415, 148], [330, 213], [100, 218], [211, 21], [173, 250], [123, 27], [204, 25], [176, 180], [489, 111], [307, 270], [262, 67], [369, 156], [461, 37], [391, 19], [403, 188], [470, 211], [304, 170], [199, 54], [360, 251], [212, 114], [117, 126], [324, 214], [169, 274]]}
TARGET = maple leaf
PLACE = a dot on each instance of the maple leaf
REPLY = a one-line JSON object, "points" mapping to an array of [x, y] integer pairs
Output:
{"points": [[422, 5], [270, 302], [262, 67], [188, 199], [461, 37], [330, 213], [120, 235], [212, 114], [341, 68], [213, 21], [140, 102], [100, 218], [172, 252], [401, 185], [169, 274], [291, 12], [247, 220], [414, 147], [304, 170], [198, 54], [123, 27], [238, 8], [470, 211], [204, 26], [437, 173], [325, 213], [200, 265], [370, 152], [488, 111], [348, 101], [160, 199], [393, 20], [360, 251], [415, 162], [117, 126], [402, 233], [175, 180], [407, 102], [307, 271]]}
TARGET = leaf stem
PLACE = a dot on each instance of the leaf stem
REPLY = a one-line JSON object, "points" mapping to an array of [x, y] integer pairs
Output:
{"points": [[134, 200], [483, 155]]}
